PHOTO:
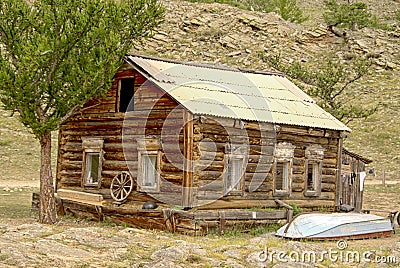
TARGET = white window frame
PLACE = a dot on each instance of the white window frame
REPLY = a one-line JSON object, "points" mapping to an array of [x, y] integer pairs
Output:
{"points": [[314, 156], [234, 153], [91, 146], [286, 177], [232, 185], [284, 154], [142, 173], [316, 177], [89, 168]]}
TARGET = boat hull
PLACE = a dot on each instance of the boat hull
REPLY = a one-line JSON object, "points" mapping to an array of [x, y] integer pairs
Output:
{"points": [[336, 226]]}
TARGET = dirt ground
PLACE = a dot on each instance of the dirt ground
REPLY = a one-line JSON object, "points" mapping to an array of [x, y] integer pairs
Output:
{"points": [[375, 197], [83, 243]]}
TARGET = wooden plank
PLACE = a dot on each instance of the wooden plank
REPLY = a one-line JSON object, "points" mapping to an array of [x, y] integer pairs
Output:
{"points": [[66, 193], [270, 203], [133, 212], [241, 215], [234, 204], [90, 198]]}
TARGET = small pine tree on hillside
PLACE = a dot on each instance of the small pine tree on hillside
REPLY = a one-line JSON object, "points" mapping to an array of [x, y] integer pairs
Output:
{"points": [[330, 84], [349, 15]]}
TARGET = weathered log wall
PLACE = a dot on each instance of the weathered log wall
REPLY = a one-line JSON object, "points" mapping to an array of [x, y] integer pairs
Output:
{"points": [[212, 135], [155, 115], [302, 138]]}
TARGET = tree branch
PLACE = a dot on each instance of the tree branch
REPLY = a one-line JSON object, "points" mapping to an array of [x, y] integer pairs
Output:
{"points": [[6, 41]]}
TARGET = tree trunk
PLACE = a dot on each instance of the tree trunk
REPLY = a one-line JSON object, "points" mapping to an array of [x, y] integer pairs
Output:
{"points": [[47, 204]]}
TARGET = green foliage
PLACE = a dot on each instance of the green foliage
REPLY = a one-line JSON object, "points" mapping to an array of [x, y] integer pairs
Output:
{"points": [[243, 230], [349, 15], [296, 209], [264, 229], [57, 55], [107, 222], [287, 9], [397, 14], [329, 84]]}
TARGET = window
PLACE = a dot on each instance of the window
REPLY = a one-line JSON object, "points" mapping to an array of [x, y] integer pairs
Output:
{"points": [[313, 170], [313, 175], [92, 175], [234, 176], [92, 161], [149, 162], [148, 176], [149, 170], [282, 171], [126, 93], [235, 158]]}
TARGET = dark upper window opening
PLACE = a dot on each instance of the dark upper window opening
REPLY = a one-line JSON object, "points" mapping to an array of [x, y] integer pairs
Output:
{"points": [[126, 93]]}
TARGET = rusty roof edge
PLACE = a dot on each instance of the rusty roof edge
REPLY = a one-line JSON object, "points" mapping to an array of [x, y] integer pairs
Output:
{"points": [[208, 65], [362, 158], [253, 71]]}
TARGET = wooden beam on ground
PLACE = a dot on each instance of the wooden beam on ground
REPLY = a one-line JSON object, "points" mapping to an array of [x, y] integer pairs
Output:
{"points": [[83, 197]]}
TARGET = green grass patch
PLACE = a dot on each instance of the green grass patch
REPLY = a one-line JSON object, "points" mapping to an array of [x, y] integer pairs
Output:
{"points": [[379, 188], [264, 229], [20, 150], [244, 230], [296, 209], [16, 203], [263, 209], [3, 256]]}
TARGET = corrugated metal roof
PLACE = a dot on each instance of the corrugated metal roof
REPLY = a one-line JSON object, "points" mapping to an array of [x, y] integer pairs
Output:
{"points": [[226, 92]]}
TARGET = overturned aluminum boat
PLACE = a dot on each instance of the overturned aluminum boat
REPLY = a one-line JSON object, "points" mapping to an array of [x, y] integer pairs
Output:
{"points": [[336, 226]]}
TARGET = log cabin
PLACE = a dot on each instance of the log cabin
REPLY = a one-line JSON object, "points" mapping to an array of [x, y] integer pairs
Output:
{"points": [[204, 144]]}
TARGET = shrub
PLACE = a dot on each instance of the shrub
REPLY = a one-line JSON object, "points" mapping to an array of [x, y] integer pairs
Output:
{"points": [[296, 209], [332, 84], [289, 10], [397, 14], [350, 15]]}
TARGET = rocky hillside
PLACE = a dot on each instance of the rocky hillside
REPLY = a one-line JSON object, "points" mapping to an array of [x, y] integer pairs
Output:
{"points": [[222, 34]]}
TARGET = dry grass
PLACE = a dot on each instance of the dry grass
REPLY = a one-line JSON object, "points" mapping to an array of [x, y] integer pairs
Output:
{"points": [[19, 151]]}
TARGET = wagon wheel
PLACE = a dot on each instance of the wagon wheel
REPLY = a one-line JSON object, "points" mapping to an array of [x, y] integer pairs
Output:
{"points": [[397, 216], [121, 186]]}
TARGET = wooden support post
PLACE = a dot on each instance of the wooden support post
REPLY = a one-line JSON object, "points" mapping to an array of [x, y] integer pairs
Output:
{"points": [[384, 178], [188, 155], [357, 188], [289, 209], [222, 222], [339, 182]]}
